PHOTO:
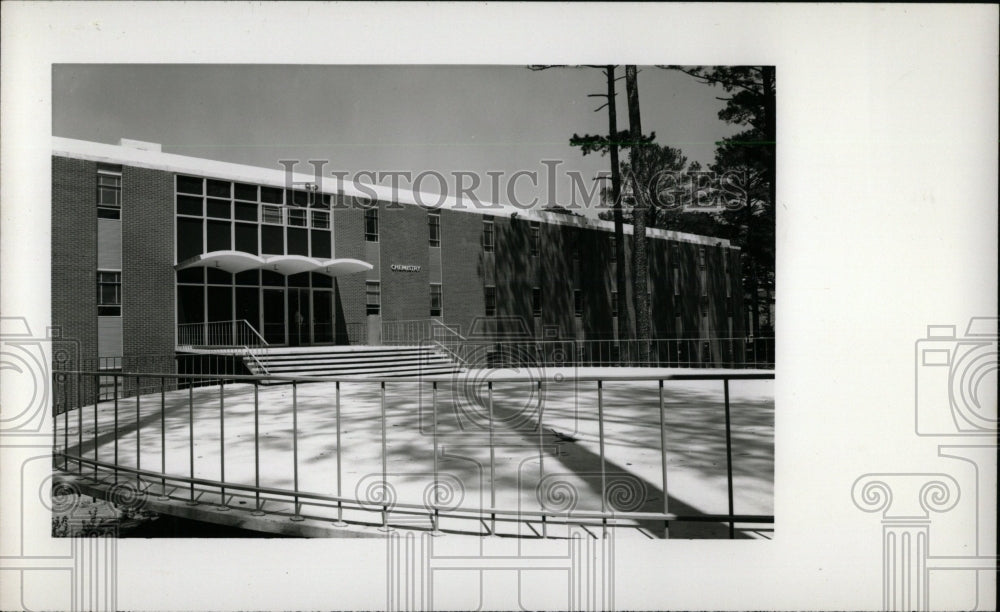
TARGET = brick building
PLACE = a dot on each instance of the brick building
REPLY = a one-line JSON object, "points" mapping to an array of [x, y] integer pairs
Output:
{"points": [[150, 249]]}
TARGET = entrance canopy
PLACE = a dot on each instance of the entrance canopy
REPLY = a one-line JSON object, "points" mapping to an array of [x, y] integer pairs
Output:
{"points": [[238, 261]]}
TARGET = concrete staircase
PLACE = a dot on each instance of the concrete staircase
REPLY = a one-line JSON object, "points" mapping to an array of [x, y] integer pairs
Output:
{"points": [[352, 361]]}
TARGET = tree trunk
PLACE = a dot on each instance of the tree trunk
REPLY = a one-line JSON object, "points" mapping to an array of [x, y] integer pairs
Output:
{"points": [[640, 271], [616, 198]]}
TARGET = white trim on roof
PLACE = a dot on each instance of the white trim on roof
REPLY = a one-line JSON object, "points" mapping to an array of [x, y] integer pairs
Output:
{"points": [[182, 164]]}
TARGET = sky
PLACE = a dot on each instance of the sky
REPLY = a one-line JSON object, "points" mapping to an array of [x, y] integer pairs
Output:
{"points": [[414, 119]]}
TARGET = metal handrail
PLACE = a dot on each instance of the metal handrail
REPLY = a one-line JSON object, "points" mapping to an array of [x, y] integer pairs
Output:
{"points": [[219, 333], [606, 515]]}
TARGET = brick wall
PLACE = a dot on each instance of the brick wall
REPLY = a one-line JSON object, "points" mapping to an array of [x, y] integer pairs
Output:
{"points": [[349, 290], [404, 241], [462, 269], [74, 253]]}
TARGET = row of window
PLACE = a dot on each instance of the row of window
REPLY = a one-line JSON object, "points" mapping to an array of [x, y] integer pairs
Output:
{"points": [[226, 190]]}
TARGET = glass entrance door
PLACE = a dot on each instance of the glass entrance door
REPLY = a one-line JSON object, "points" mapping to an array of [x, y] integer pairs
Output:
{"points": [[299, 320]]}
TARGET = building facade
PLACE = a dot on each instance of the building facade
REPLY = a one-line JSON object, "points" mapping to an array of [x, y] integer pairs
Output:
{"points": [[149, 250]]}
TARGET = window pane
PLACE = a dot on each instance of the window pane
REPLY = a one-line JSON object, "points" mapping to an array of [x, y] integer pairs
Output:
{"points": [[190, 184], [191, 275], [219, 189], [218, 235], [296, 217], [320, 219], [246, 192], [272, 214], [371, 225], [190, 304], [272, 240], [219, 277], [246, 237], [321, 244], [272, 195], [189, 238], [187, 205], [298, 241], [220, 209], [246, 212]]}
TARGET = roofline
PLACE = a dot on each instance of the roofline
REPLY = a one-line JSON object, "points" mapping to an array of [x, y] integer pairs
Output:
{"points": [[183, 164]]}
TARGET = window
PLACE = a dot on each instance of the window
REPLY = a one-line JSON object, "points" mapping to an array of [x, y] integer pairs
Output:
{"points": [[578, 302], [490, 293], [488, 243], [536, 301], [296, 217], [677, 282], [614, 303], [701, 257], [371, 224], [434, 224], [320, 219], [614, 250], [272, 215], [109, 194], [435, 299], [536, 237], [109, 294], [373, 295]]}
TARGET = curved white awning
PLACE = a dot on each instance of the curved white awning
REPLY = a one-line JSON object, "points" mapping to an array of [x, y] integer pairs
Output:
{"points": [[230, 261], [290, 264], [339, 267]]}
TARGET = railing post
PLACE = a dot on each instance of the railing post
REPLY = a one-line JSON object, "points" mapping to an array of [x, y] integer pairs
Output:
{"points": [[541, 453], [116, 430], [256, 449], [97, 387], [295, 449], [192, 501], [493, 479], [222, 446], [138, 430], [163, 437], [663, 464], [79, 424], [729, 460], [600, 435], [385, 474], [340, 504], [66, 426], [437, 498]]}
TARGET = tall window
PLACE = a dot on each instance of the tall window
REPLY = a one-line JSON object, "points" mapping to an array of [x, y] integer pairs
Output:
{"points": [[578, 302], [109, 194], [488, 243], [536, 301], [491, 300], [614, 250], [701, 257], [371, 224], [614, 303], [373, 295], [109, 294], [434, 225], [536, 237], [435, 299]]}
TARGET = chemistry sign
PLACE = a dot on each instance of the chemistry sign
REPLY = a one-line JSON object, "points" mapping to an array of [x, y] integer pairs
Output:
{"points": [[404, 268]]}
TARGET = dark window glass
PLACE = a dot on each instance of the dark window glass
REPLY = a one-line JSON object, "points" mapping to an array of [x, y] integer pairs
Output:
{"points": [[219, 277], [109, 293], [298, 241], [322, 280], [189, 205], [435, 300], [190, 304], [326, 199], [219, 189], [578, 302], [246, 212], [246, 237], [272, 240], [614, 250], [190, 184], [191, 275], [220, 303], [220, 209], [614, 303], [298, 198], [490, 293], [271, 278], [488, 243], [373, 297], [271, 214], [272, 195], [218, 236], [321, 244], [371, 224], [536, 301], [248, 309], [536, 237], [245, 192], [434, 225], [248, 277], [189, 238], [298, 280], [109, 213]]}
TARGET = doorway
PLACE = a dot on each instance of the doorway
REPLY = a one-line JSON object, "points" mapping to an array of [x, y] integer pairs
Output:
{"points": [[299, 319]]}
